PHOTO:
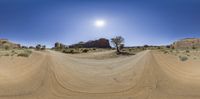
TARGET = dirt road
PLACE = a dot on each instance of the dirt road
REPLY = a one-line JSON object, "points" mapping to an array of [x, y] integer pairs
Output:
{"points": [[53, 75]]}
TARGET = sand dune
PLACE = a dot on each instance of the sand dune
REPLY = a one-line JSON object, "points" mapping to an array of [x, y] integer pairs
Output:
{"points": [[53, 75]]}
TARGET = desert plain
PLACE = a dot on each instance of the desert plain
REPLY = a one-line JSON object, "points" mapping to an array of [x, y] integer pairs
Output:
{"points": [[149, 74]]}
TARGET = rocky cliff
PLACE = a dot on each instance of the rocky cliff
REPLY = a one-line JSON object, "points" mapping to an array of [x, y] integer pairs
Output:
{"points": [[100, 43], [4, 43], [187, 43]]}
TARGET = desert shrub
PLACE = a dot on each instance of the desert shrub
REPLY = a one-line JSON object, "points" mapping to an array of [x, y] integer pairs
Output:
{"points": [[168, 46], [7, 47], [43, 47], [7, 54], [31, 47], [94, 49], [183, 58], [26, 53], [165, 52], [65, 51], [187, 51], [158, 47], [125, 53], [85, 50], [193, 47], [24, 47], [38, 47], [145, 46], [13, 52], [69, 51], [123, 50], [23, 54]]}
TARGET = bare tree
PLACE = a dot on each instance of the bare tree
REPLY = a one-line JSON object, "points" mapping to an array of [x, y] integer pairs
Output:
{"points": [[117, 42]]}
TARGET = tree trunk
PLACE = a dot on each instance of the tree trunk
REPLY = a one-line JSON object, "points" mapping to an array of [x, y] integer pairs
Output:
{"points": [[118, 51]]}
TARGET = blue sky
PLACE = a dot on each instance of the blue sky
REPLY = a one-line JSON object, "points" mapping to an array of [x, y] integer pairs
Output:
{"points": [[153, 22]]}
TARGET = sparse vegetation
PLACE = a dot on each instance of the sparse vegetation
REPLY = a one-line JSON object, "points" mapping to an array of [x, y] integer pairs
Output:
{"points": [[7, 54], [43, 47], [165, 52], [24, 47], [71, 51], [85, 50], [38, 47], [117, 42], [183, 58], [16, 52], [31, 47], [7, 47], [59, 46], [187, 51], [23, 54], [193, 47], [168, 46]]}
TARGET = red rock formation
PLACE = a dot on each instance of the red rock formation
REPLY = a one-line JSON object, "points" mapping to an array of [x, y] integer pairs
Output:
{"points": [[101, 43], [187, 43]]}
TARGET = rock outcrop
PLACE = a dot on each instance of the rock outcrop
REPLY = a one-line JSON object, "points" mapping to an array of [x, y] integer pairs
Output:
{"points": [[187, 43], [4, 43], [100, 43]]}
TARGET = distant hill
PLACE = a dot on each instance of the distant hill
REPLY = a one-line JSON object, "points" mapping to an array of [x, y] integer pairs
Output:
{"points": [[4, 43], [187, 43]]}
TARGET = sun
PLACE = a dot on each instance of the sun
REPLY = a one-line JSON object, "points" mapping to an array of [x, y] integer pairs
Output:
{"points": [[99, 23]]}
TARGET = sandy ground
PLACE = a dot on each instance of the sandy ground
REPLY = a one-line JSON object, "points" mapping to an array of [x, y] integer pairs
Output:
{"points": [[53, 75]]}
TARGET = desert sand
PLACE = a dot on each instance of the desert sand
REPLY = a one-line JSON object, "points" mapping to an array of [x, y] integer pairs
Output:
{"points": [[54, 75]]}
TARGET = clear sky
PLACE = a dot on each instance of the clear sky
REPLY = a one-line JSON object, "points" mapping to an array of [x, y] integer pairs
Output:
{"points": [[140, 22]]}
